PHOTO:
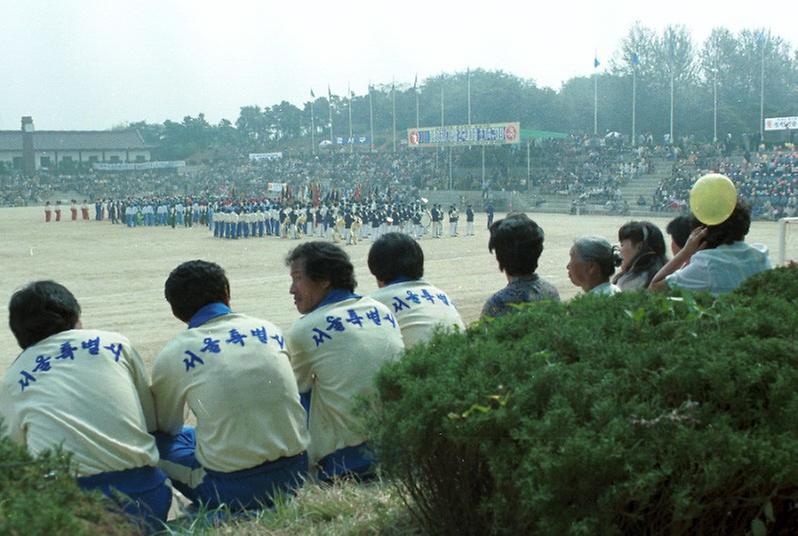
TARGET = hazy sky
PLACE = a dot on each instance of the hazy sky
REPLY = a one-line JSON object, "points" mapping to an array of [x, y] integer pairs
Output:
{"points": [[91, 64]]}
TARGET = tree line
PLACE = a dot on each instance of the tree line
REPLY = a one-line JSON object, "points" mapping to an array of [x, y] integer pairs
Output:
{"points": [[731, 69]]}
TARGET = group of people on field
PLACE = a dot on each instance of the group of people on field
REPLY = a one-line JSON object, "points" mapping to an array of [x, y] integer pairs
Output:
{"points": [[333, 219], [57, 212]]}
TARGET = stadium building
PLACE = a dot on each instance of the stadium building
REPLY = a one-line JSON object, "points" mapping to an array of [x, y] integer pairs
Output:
{"points": [[29, 150]]}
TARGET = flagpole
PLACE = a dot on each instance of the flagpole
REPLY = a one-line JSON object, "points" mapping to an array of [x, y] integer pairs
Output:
{"points": [[329, 107], [671, 131], [393, 99], [468, 77], [451, 182], [443, 123], [371, 117], [715, 106], [483, 167], [312, 127], [528, 166], [595, 103], [634, 105], [442, 120], [595, 94], [762, 90], [351, 139], [418, 124]]}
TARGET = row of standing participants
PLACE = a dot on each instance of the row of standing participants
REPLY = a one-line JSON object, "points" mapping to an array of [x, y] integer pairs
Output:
{"points": [[346, 221], [273, 409]]}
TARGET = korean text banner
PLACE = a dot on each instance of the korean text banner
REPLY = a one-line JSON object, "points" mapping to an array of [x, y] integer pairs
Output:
{"points": [[781, 123], [484, 134], [100, 166]]}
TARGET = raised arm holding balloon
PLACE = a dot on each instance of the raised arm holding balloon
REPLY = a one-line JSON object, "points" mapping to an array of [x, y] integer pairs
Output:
{"points": [[715, 257]]}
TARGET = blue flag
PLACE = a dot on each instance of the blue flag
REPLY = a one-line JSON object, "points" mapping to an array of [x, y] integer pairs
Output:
{"points": [[596, 62], [635, 58]]}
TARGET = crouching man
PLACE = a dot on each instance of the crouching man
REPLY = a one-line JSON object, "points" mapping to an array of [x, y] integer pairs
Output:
{"points": [[87, 391], [336, 349], [234, 373]]}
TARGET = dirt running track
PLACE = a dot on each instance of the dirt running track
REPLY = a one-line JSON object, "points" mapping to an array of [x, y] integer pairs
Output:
{"points": [[118, 273]]}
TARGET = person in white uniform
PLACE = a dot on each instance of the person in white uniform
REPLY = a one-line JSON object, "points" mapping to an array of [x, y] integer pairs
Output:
{"points": [[86, 391], [396, 260], [336, 349], [234, 374]]}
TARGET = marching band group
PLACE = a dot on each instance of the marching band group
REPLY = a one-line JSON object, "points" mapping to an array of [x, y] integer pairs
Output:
{"points": [[339, 221]]}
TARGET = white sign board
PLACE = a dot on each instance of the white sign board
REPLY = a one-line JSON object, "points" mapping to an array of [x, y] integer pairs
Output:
{"points": [[781, 123], [255, 157], [139, 166]]}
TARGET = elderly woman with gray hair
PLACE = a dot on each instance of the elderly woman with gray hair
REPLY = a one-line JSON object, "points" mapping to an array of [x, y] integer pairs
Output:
{"points": [[592, 263]]}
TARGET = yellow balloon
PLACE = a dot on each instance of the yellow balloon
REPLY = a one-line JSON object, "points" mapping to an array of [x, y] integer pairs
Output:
{"points": [[713, 198]]}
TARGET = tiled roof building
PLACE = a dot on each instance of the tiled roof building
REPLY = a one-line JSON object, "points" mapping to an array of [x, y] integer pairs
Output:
{"points": [[61, 148]]}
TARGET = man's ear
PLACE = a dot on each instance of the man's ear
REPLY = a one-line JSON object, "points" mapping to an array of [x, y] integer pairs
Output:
{"points": [[226, 300]]}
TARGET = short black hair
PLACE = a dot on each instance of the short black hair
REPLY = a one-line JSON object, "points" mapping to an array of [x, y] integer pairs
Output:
{"points": [[395, 255], [679, 228], [323, 261], [193, 285], [518, 242], [41, 309], [732, 230]]}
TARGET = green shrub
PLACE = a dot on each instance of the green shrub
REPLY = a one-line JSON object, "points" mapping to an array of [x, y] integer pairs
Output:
{"points": [[637, 414], [41, 496]]}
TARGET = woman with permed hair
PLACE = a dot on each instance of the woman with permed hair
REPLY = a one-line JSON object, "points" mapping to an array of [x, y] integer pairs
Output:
{"points": [[715, 258]]}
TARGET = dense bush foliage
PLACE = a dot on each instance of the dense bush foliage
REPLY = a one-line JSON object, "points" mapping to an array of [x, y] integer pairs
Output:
{"points": [[636, 414], [41, 496]]}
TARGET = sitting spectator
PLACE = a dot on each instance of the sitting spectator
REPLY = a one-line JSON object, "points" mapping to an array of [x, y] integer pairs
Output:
{"points": [[86, 391], [234, 373], [643, 254], [518, 242], [591, 265], [397, 261], [679, 229], [719, 260], [336, 349]]}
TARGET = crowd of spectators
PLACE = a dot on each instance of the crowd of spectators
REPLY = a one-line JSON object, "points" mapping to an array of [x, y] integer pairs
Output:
{"points": [[587, 169], [767, 179], [343, 173], [591, 169]]}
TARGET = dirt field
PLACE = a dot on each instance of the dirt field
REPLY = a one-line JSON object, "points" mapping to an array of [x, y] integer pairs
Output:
{"points": [[118, 273]]}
